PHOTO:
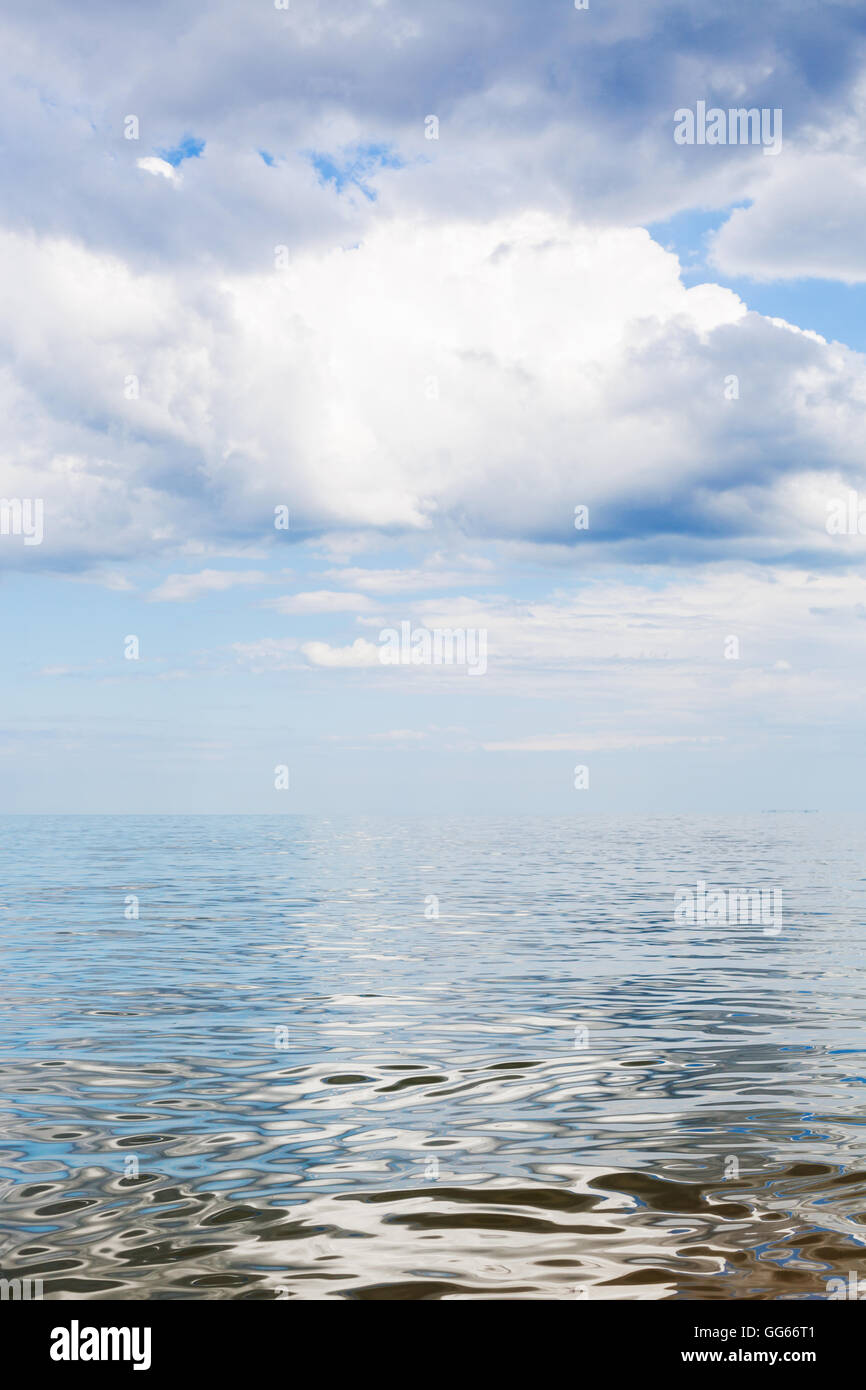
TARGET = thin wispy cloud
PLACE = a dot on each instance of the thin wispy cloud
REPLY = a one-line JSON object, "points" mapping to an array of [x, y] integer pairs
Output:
{"points": [[321, 601], [185, 588]]}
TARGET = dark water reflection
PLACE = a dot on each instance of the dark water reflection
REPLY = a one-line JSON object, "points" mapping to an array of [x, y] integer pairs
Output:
{"points": [[284, 1081]]}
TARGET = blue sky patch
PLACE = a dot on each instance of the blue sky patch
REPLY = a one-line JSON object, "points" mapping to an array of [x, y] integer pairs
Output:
{"points": [[354, 166], [187, 148]]}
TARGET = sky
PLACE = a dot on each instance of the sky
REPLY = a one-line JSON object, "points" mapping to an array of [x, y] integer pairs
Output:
{"points": [[330, 320]]}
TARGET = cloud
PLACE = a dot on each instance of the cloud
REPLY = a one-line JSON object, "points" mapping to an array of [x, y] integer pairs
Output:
{"points": [[360, 653], [651, 656], [267, 654], [401, 736], [405, 738], [161, 167], [806, 218], [592, 743], [807, 222], [106, 579], [410, 580], [321, 601], [429, 351], [488, 380], [556, 108], [184, 588]]}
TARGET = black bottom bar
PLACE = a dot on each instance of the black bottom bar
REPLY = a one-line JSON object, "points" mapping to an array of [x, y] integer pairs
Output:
{"points": [[242, 1337]]}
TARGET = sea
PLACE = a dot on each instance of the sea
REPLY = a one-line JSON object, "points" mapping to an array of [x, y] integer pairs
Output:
{"points": [[513, 1058]]}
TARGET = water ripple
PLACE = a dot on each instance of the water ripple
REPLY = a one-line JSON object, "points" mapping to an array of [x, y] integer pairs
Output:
{"points": [[283, 1080]]}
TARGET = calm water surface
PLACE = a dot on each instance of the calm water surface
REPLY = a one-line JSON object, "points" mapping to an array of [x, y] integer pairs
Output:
{"points": [[283, 1080]]}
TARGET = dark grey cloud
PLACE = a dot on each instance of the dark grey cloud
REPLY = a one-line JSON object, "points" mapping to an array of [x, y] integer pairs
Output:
{"points": [[539, 105]]}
